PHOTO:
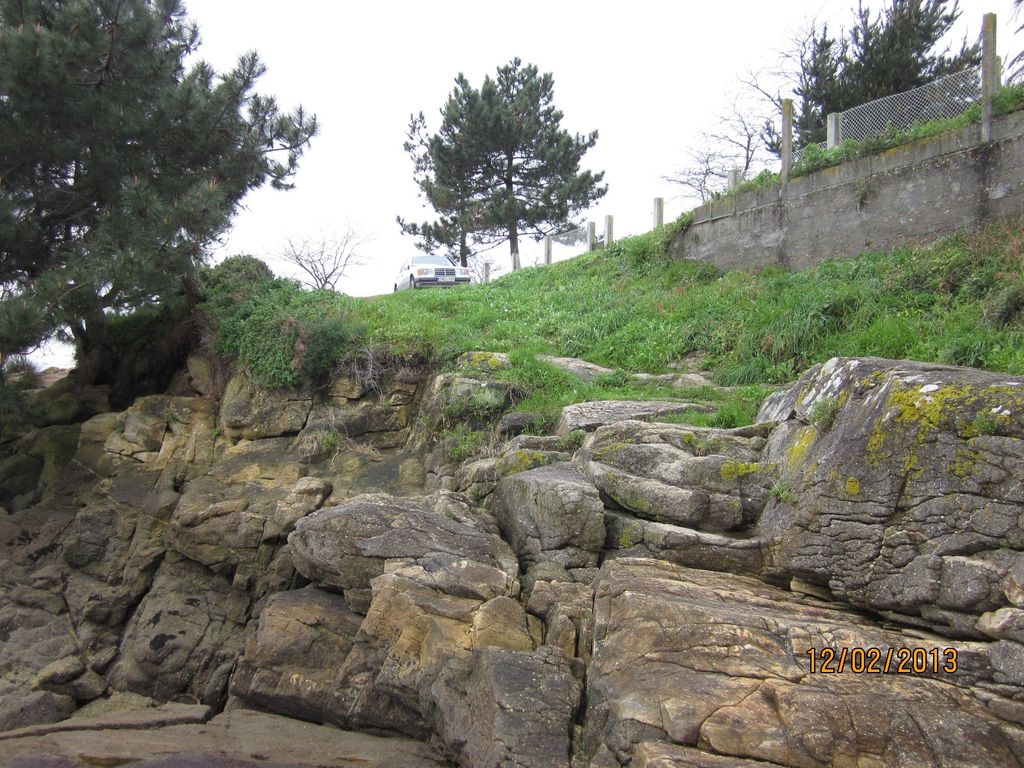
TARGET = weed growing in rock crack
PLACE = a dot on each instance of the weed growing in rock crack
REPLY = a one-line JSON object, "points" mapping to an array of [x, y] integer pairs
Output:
{"points": [[571, 442], [783, 492], [480, 405], [463, 442], [318, 441], [987, 423], [823, 413], [701, 446]]}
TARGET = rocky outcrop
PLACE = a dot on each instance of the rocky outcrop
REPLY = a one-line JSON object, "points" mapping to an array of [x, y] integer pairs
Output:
{"points": [[184, 636], [721, 663], [695, 478], [628, 593], [906, 490]]}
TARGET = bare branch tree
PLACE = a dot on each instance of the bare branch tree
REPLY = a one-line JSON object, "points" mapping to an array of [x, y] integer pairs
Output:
{"points": [[705, 175], [734, 145], [325, 259]]}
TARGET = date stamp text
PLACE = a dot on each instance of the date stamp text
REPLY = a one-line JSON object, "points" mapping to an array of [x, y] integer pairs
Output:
{"points": [[881, 661]]}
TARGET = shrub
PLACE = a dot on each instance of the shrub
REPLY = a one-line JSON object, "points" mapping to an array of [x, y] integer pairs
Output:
{"points": [[233, 280], [21, 372], [286, 336], [329, 343]]}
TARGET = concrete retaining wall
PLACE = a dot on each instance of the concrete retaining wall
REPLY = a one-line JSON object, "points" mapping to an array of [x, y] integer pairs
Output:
{"points": [[918, 191]]}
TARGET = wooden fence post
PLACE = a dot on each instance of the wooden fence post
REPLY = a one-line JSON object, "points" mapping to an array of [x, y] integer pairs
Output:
{"points": [[487, 271], [659, 212], [591, 236], [547, 249], [609, 235]]}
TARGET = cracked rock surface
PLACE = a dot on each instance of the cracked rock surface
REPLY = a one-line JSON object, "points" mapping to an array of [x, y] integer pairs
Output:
{"points": [[311, 579]]}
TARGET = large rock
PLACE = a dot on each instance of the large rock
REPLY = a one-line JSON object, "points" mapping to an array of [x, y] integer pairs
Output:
{"points": [[420, 620], [906, 488], [696, 478], [454, 397], [236, 529], [250, 412], [184, 636], [345, 547], [719, 663], [582, 369], [158, 738], [589, 416], [551, 513], [34, 708], [508, 709], [295, 653], [272, 463], [36, 468], [631, 536], [32, 637], [161, 430]]}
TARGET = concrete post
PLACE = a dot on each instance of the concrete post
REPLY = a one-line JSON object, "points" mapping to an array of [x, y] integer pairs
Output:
{"points": [[487, 271], [591, 236], [989, 73], [787, 139], [547, 249], [609, 235], [834, 130], [659, 212], [735, 178]]}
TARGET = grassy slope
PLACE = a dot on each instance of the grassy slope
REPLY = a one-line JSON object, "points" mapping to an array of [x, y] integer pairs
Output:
{"points": [[958, 301]]}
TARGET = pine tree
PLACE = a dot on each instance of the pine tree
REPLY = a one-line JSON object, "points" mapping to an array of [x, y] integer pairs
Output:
{"points": [[894, 51], [501, 166], [117, 165]]}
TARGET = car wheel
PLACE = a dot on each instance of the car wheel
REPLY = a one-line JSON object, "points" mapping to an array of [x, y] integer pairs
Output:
{"points": [[412, 282]]}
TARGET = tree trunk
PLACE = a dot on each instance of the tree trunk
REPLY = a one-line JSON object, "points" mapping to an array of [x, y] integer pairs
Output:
{"points": [[513, 226], [463, 248], [513, 241]]}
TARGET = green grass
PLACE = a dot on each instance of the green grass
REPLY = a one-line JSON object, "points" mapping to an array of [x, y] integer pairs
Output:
{"points": [[630, 308]]}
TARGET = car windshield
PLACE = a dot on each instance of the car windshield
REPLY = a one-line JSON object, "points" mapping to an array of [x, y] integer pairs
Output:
{"points": [[440, 261]]}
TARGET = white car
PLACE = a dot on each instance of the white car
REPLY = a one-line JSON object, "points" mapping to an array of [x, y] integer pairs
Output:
{"points": [[427, 269]]}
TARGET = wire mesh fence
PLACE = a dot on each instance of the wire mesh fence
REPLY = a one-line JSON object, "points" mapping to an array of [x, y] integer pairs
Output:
{"points": [[798, 152], [940, 99]]}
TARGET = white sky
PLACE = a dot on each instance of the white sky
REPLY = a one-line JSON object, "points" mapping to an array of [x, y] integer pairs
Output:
{"points": [[649, 76]]}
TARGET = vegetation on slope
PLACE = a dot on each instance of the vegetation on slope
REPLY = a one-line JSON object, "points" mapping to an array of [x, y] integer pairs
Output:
{"points": [[628, 307]]}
